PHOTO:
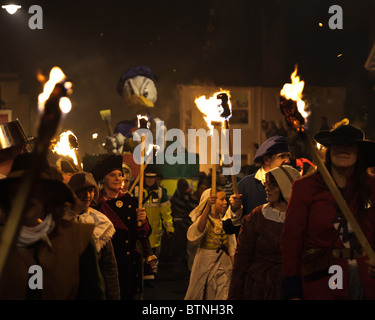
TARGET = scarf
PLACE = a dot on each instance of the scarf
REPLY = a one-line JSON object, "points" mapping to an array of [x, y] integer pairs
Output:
{"points": [[195, 213], [103, 230], [30, 235]]}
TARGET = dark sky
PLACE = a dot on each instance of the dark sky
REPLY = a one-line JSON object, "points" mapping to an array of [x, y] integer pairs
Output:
{"points": [[228, 43]]}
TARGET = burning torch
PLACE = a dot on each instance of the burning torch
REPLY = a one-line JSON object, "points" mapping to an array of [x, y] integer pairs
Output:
{"points": [[67, 145], [292, 106], [142, 124], [227, 113], [215, 114], [51, 103]]}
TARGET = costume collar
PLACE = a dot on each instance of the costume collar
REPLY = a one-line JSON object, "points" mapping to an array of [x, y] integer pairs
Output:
{"points": [[103, 230], [272, 214]]}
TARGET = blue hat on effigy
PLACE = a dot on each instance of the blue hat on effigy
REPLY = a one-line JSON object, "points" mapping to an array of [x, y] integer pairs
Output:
{"points": [[273, 145], [131, 73]]}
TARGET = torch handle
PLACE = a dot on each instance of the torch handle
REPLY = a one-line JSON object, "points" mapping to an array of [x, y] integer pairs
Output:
{"points": [[213, 186], [230, 147], [137, 178], [141, 176], [338, 197]]}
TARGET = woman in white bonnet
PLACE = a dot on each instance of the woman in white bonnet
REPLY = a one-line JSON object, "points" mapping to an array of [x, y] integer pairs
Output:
{"points": [[86, 189], [212, 266], [257, 261]]}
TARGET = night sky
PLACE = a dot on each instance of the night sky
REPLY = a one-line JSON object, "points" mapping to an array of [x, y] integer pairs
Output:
{"points": [[225, 43]]}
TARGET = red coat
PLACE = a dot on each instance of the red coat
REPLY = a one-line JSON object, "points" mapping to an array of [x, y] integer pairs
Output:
{"points": [[308, 224]]}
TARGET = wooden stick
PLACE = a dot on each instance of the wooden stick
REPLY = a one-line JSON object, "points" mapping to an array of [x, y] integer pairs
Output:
{"points": [[137, 178], [233, 176], [213, 162], [338, 197], [141, 176]]}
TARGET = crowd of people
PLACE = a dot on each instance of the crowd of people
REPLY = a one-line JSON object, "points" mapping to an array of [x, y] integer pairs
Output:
{"points": [[276, 239]]}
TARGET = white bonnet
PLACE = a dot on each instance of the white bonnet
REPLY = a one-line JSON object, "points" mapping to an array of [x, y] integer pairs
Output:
{"points": [[285, 176]]}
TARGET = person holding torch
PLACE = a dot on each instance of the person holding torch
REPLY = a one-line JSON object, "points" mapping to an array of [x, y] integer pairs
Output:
{"points": [[316, 234], [122, 209]]}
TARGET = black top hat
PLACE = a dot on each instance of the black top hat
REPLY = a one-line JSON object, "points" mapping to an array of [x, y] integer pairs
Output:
{"points": [[348, 134], [107, 165]]}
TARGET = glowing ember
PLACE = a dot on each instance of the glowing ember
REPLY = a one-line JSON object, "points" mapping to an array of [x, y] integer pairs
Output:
{"points": [[214, 108], [64, 146], [293, 91]]}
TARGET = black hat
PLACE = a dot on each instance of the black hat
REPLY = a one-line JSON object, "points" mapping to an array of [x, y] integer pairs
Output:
{"points": [[67, 166], [150, 171], [273, 145], [348, 134], [107, 165], [342, 134], [21, 164]]}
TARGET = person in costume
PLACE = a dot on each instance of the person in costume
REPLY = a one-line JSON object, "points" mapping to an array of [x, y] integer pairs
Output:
{"points": [[256, 271], [86, 189], [159, 214], [212, 266], [316, 234], [130, 240], [273, 153], [63, 249]]}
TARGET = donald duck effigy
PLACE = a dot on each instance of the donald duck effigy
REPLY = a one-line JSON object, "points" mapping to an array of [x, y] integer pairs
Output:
{"points": [[137, 88]]}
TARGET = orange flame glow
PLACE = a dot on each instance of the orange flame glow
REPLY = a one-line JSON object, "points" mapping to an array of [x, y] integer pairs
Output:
{"points": [[211, 108], [63, 146], [293, 91], [56, 76]]}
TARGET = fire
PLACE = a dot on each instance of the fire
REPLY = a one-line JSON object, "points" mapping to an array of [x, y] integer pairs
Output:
{"points": [[213, 109], [143, 121], [152, 147], [56, 76], [64, 146], [293, 91]]}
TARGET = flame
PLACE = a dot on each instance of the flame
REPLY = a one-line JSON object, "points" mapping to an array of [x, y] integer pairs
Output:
{"points": [[63, 146], [293, 91], [212, 109], [140, 118], [56, 76], [152, 147]]}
